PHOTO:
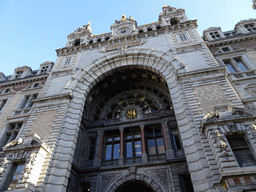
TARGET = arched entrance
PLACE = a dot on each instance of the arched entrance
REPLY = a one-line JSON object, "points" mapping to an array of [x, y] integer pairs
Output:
{"points": [[134, 186]]}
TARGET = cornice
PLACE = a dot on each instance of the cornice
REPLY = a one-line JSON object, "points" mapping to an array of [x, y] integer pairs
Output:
{"points": [[231, 40], [13, 82], [65, 51]]}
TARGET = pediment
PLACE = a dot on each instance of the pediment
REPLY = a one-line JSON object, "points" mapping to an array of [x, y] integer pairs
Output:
{"points": [[226, 113], [30, 141]]}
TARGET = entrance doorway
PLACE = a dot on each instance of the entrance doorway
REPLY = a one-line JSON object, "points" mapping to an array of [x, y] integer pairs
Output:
{"points": [[134, 186]]}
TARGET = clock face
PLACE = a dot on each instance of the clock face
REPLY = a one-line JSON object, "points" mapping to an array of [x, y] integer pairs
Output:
{"points": [[124, 30]]}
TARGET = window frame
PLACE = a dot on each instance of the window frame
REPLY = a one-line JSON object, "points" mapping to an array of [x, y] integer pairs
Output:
{"points": [[235, 149], [154, 137], [246, 62], [132, 140], [10, 133], [185, 35], [12, 173], [215, 35], [111, 143]]}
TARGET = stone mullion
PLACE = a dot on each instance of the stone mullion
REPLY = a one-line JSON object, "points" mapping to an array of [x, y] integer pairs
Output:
{"points": [[144, 154], [98, 149], [121, 157], [168, 145]]}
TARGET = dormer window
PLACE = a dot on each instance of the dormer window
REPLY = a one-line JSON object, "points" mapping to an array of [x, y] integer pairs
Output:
{"points": [[44, 69], [225, 49], [215, 35], [250, 27], [18, 74], [174, 21]]}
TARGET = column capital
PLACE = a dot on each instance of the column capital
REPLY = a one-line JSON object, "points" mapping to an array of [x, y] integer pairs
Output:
{"points": [[164, 123], [100, 132], [142, 126], [121, 129]]}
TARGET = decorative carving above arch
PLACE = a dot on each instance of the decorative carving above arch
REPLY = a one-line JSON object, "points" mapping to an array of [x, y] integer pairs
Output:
{"points": [[150, 180], [155, 61]]}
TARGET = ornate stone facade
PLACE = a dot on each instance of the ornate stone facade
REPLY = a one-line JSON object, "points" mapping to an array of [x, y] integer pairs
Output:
{"points": [[154, 107]]}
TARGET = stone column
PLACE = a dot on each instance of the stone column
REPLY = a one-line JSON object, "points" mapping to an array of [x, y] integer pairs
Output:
{"points": [[167, 140], [144, 154], [121, 157], [98, 148]]}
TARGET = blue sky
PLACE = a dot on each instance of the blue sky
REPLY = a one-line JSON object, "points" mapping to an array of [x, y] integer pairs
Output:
{"points": [[31, 31]]}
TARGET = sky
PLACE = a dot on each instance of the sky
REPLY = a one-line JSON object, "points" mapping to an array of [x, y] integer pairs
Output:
{"points": [[31, 30]]}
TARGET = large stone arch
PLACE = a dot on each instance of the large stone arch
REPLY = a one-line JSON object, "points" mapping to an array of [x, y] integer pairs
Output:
{"points": [[87, 77], [151, 181]]}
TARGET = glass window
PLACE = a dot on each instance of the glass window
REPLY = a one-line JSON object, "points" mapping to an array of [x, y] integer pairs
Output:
{"points": [[112, 147], [240, 64], [11, 133], [241, 151], [133, 143], [154, 140], [176, 139], [15, 176]]}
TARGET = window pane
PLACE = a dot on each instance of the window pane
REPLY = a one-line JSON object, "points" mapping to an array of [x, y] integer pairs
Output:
{"points": [[151, 147], [129, 149], [237, 142], [137, 148], [109, 139], [230, 68], [19, 169], [116, 151], [158, 132], [137, 135], [149, 132], [108, 152], [245, 158], [160, 145], [116, 138], [241, 66]]}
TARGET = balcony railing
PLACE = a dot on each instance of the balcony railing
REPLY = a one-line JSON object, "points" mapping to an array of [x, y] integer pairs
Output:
{"points": [[132, 160], [243, 75], [109, 162], [156, 157]]}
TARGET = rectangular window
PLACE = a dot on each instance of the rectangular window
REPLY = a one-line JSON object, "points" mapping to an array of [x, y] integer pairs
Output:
{"points": [[235, 65], [10, 133], [241, 151], [133, 143], [183, 37], [14, 176], [112, 147], [28, 101], [241, 66], [2, 104], [215, 35], [44, 69], [67, 62], [18, 74], [176, 139], [155, 141], [250, 27], [225, 49]]}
